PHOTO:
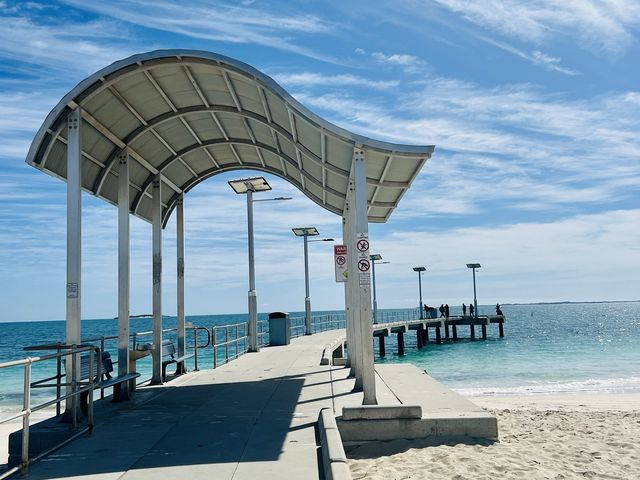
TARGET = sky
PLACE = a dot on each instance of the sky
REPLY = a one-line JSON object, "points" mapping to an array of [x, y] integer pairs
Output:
{"points": [[534, 108]]}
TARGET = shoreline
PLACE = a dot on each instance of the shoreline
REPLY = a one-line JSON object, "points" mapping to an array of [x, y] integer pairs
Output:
{"points": [[554, 436]]}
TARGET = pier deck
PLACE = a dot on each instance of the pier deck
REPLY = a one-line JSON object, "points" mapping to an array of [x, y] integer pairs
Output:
{"points": [[252, 418]]}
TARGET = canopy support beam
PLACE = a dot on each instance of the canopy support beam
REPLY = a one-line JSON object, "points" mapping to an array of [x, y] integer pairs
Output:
{"points": [[156, 215], [180, 286], [361, 283], [122, 391], [74, 250]]}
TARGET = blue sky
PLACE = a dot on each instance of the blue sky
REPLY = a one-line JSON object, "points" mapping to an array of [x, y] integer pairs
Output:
{"points": [[534, 107]]}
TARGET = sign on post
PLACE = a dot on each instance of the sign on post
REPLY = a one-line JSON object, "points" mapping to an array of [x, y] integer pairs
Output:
{"points": [[364, 262], [340, 262]]}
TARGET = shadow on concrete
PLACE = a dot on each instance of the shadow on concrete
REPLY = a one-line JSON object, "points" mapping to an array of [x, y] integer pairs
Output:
{"points": [[192, 425]]}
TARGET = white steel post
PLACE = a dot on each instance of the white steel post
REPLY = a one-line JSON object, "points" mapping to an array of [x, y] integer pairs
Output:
{"points": [[354, 289], [375, 300], [123, 271], [363, 281], [180, 322], [307, 298], [156, 216], [74, 244], [252, 295], [352, 346]]}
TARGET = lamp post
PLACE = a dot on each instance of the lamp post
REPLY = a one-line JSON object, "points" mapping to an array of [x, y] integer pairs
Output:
{"points": [[420, 270], [249, 186], [307, 232], [473, 266], [376, 257]]}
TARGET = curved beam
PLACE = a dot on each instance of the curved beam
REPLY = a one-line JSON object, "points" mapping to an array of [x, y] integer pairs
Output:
{"points": [[182, 112], [231, 141], [171, 204]]}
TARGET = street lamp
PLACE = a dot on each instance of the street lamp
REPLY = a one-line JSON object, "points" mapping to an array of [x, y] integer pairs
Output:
{"points": [[376, 257], [307, 232], [473, 266], [420, 270], [248, 186]]}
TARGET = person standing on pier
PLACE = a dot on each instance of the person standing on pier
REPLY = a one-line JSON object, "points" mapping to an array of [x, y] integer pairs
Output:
{"points": [[441, 310], [446, 310], [464, 310], [498, 310], [471, 309]]}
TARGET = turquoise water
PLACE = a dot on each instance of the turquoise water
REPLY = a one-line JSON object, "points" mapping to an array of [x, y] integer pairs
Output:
{"points": [[547, 349], [566, 348]]}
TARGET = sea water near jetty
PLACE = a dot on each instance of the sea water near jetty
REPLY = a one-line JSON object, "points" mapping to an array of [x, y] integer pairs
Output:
{"points": [[567, 348], [552, 348]]}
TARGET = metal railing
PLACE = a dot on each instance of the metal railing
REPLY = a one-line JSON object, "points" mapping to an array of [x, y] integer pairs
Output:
{"points": [[78, 387], [223, 331], [398, 315]]}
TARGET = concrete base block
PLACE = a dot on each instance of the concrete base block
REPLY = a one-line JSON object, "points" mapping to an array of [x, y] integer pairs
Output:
{"points": [[381, 412], [339, 471], [340, 361]]}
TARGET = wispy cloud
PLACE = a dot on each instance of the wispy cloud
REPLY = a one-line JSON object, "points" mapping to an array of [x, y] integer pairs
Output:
{"points": [[408, 63], [220, 21], [311, 79], [607, 26]]}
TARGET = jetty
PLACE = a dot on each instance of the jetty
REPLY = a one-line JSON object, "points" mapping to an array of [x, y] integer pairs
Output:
{"points": [[260, 416], [140, 134], [446, 327]]}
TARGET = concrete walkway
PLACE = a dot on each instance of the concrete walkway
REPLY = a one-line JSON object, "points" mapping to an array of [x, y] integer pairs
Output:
{"points": [[253, 418]]}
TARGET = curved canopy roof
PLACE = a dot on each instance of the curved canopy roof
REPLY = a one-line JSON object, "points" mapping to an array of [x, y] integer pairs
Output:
{"points": [[189, 115]]}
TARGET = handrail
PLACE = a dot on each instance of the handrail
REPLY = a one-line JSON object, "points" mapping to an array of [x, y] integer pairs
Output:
{"points": [[77, 388]]}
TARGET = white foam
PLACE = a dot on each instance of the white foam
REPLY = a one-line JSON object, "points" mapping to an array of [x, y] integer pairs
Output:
{"points": [[592, 385]]}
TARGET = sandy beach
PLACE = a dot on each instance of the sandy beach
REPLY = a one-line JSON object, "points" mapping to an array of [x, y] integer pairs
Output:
{"points": [[541, 437]]}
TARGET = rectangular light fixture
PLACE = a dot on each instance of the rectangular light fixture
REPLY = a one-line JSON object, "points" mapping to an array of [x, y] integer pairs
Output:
{"points": [[254, 184], [473, 265], [419, 269], [305, 231], [375, 256]]}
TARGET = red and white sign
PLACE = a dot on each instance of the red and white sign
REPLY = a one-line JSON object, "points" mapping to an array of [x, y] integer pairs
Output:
{"points": [[340, 262]]}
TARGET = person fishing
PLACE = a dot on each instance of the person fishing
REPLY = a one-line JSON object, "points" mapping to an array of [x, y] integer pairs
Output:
{"points": [[498, 310]]}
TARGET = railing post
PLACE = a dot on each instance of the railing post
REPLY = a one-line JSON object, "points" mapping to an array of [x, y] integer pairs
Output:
{"points": [[100, 369], [26, 407], [237, 338], [91, 385], [74, 386], [195, 349], [213, 346], [59, 380], [226, 343]]}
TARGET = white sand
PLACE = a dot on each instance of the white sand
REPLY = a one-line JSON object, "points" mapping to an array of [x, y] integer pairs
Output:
{"points": [[541, 437]]}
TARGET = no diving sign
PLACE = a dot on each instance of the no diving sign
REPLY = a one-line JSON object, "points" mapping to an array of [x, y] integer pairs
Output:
{"points": [[363, 265]]}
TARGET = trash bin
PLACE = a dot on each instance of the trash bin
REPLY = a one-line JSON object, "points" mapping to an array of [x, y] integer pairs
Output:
{"points": [[279, 328]]}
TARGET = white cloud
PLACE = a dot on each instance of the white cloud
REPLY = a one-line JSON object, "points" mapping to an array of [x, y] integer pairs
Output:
{"points": [[220, 21], [311, 79], [409, 63], [606, 26]]}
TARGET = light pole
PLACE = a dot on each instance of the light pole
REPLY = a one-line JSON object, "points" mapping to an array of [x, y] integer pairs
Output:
{"points": [[307, 232], [376, 257], [473, 266], [420, 270], [248, 186]]}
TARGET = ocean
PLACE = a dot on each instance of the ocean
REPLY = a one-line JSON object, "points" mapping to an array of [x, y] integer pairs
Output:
{"points": [[566, 348]]}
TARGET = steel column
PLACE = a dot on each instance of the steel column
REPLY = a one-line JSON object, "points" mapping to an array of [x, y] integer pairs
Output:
{"points": [[352, 279], [348, 311], [74, 242], [121, 392], [180, 321], [252, 296], [375, 300], [307, 298], [362, 280], [156, 216]]}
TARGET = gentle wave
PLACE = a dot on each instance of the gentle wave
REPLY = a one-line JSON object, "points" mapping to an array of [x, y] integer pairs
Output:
{"points": [[592, 385]]}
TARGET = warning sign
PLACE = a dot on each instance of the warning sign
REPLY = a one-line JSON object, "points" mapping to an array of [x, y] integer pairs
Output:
{"points": [[363, 265], [363, 245], [340, 262]]}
